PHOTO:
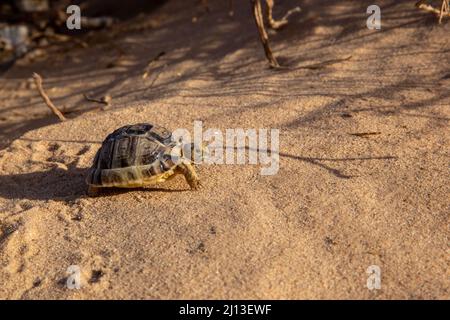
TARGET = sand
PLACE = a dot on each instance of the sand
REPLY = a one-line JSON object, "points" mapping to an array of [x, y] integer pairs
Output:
{"points": [[340, 202]]}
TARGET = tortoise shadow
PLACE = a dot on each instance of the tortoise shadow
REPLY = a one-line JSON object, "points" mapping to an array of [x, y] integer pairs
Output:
{"points": [[108, 192], [58, 184]]}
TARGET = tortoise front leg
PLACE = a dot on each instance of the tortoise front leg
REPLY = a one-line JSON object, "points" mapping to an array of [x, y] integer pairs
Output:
{"points": [[191, 176]]}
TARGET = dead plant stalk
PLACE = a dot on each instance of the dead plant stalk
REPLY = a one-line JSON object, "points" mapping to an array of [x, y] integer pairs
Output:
{"points": [[38, 80]]}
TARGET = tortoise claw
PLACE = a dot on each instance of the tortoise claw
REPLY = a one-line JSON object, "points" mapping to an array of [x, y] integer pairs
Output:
{"points": [[196, 185]]}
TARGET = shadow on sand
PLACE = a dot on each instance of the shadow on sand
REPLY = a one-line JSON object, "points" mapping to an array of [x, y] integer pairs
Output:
{"points": [[59, 185]]}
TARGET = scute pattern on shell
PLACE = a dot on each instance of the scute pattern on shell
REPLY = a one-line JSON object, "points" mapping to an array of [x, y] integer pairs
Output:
{"points": [[132, 153]]}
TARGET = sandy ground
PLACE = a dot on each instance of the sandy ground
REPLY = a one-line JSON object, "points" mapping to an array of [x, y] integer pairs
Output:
{"points": [[339, 203]]}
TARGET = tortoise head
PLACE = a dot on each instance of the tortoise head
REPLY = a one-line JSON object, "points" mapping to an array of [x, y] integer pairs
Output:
{"points": [[197, 153]]}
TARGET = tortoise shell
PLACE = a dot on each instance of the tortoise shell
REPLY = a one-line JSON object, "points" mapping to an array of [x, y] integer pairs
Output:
{"points": [[132, 156]]}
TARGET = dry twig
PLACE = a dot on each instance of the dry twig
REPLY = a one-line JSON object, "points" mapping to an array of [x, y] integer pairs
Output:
{"points": [[150, 63], [259, 20], [326, 63], [106, 100], [365, 134], [38, 80], [276, 24], [444, 11]]}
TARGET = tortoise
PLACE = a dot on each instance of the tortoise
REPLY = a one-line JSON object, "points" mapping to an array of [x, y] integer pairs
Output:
{"points": [[140, 155]]}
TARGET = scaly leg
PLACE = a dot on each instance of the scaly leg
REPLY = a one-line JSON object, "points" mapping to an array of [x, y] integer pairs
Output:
{"points": [[191, 176], [166, 176]]}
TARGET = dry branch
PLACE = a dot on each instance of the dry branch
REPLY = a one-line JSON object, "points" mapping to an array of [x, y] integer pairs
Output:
{"points": [[444, 11], [106, 100], [276, 24], [38, 80], [259, 20]]}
